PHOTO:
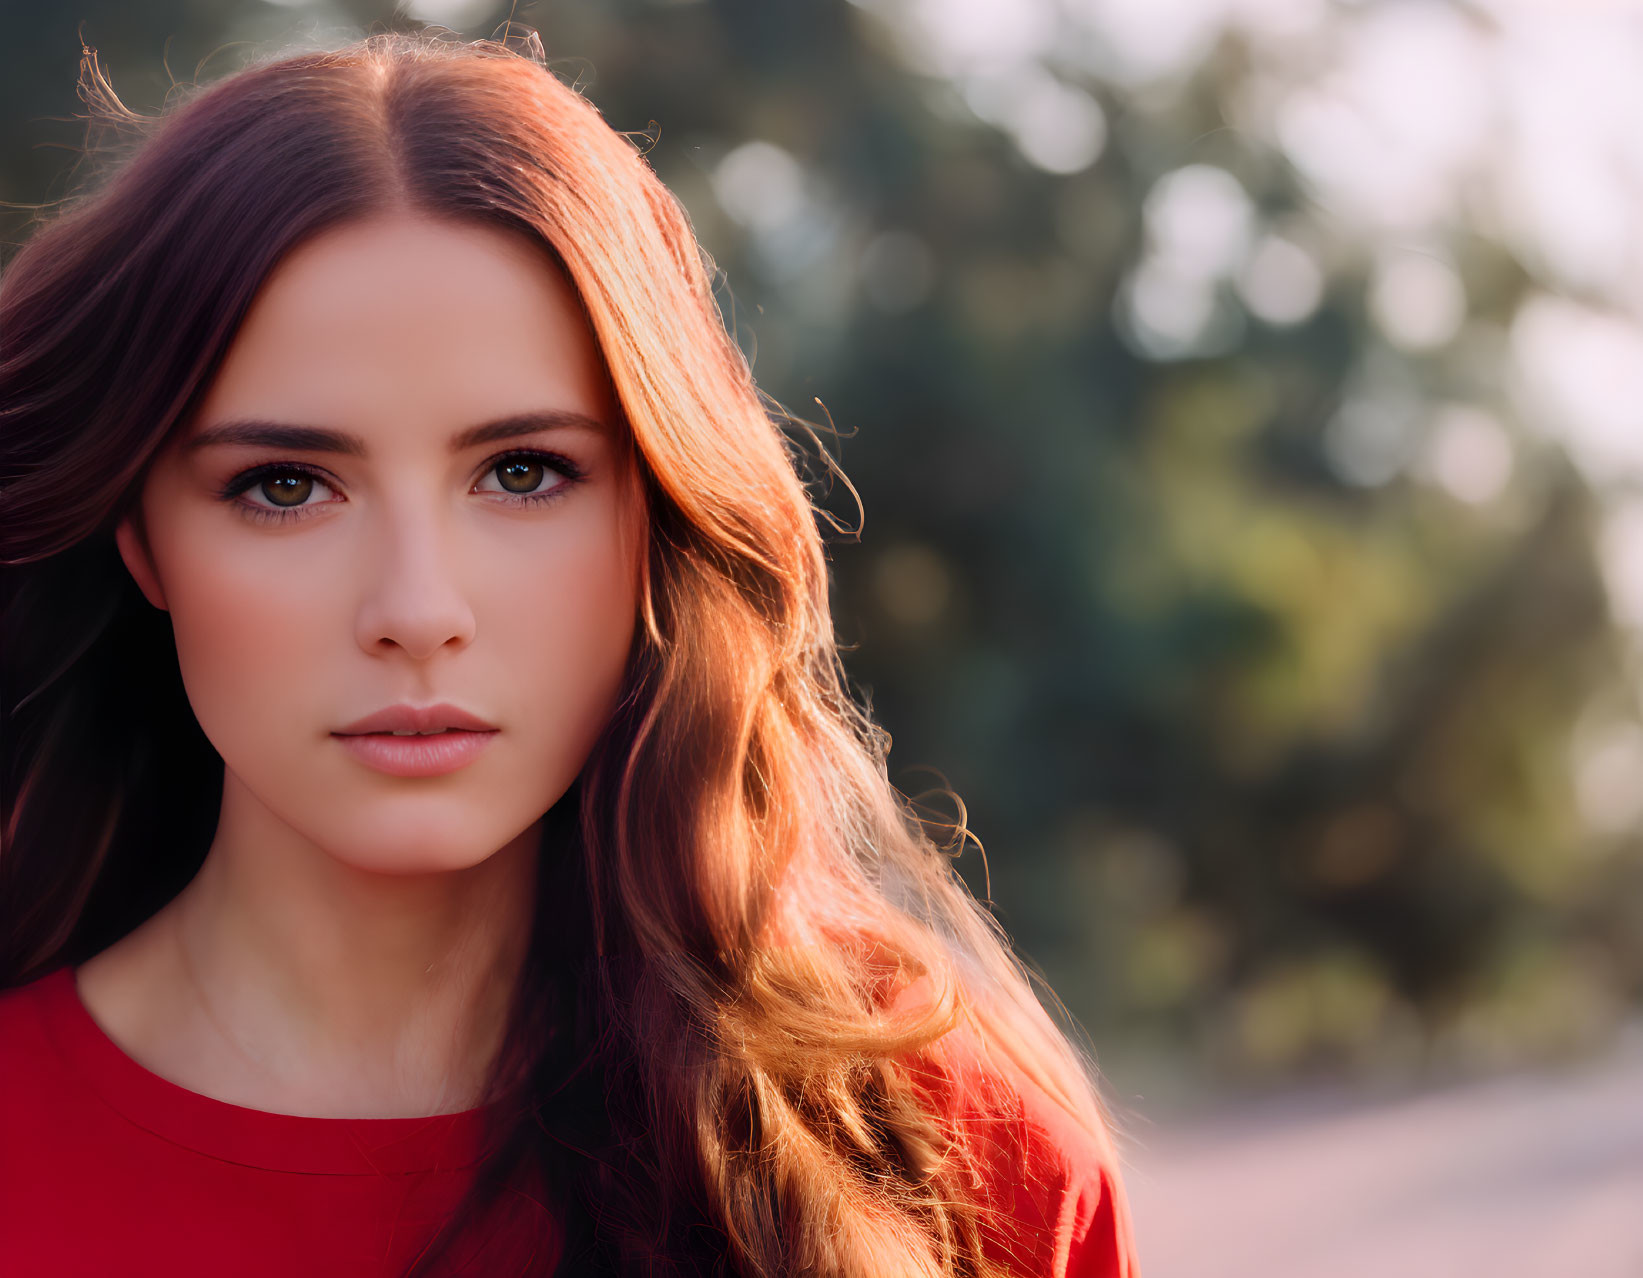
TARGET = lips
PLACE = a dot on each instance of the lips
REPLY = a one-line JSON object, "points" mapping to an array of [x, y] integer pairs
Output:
{"points": [[428, 756], [439, 717]]}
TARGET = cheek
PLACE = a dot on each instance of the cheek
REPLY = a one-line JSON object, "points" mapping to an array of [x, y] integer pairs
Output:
{"points": [[565, 623], [249, 638]]}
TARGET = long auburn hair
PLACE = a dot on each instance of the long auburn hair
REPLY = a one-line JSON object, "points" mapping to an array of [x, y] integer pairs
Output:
{"points": [[715, 1062]]}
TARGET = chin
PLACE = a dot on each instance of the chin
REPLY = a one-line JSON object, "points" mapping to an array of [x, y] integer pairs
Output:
{"points": [[400, 862], [425, 849]]}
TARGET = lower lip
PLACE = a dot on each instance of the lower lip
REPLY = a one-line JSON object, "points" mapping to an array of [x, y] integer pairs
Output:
{"points": [[429, 756]]}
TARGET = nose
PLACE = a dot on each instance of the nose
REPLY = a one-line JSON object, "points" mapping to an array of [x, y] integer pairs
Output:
{"points": [[414, 596]]}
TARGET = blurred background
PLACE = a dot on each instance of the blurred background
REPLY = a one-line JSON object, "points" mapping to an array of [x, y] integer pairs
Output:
{"points": [[1246, 402]]}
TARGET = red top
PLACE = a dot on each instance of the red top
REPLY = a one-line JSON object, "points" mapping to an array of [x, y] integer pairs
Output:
{"points": [[105, 1167]]}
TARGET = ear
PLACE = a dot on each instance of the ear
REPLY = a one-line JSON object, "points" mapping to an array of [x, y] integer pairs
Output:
{"points": [[133, 545]]}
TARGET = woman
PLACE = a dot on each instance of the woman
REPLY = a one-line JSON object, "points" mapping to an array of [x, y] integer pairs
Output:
{"points": [[381, 391]]}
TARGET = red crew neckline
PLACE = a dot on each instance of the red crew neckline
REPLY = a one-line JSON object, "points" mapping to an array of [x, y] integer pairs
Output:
{"points": [[237, 1134]]}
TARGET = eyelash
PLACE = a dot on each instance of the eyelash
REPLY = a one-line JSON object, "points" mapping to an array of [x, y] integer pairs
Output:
{"points": [[248, 479]]}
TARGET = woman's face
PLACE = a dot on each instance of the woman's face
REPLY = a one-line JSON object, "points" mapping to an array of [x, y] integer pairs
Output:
{"points": [[392, 562]]}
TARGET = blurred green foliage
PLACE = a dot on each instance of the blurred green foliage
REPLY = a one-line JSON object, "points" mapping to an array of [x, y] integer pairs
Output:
{"points": [[1272, 763]]}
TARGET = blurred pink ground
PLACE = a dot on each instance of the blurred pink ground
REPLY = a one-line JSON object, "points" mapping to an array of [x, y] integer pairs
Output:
{"points": [[1529, 1175]]}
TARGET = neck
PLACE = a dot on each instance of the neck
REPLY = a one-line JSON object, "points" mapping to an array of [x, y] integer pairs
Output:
{"points": [[347, 992]]}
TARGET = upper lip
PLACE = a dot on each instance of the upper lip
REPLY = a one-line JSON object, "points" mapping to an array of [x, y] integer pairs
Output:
{"points": [[406, 718]]}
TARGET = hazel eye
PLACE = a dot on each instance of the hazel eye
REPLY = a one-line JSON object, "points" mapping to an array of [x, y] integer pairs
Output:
{"points": [[520, 474], [285, 487], [533, 476], [292, 486]]}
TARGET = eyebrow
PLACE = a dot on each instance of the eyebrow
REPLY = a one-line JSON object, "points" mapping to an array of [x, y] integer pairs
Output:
{"points": [[319, 439]]}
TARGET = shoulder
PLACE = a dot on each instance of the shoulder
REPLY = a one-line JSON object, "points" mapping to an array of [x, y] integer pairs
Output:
{"points": [[22, 1027], [26, 1044], [30, 1066], [1050, 1186]]}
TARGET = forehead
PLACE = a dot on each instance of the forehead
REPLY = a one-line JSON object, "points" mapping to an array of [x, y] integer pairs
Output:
{"points": [[403, 322]]}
